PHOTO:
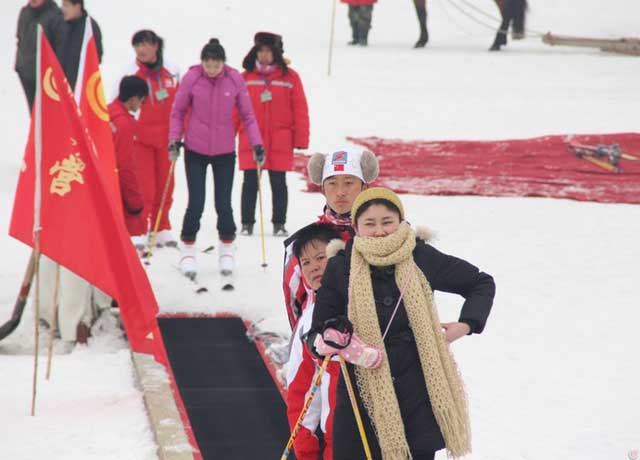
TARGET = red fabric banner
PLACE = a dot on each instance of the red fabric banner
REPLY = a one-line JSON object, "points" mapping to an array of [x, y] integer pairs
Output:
{"points": [[93, 106], [539, 167], [81, 227]]}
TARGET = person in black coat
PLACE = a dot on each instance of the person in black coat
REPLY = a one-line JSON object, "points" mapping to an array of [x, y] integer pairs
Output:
{"points": [[75, 17], [48, 14], [442, 272]]}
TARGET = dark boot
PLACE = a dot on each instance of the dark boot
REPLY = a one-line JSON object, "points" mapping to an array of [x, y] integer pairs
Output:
{"points": [[424, 33], [279, 230], [247, 229], [501, 39]]}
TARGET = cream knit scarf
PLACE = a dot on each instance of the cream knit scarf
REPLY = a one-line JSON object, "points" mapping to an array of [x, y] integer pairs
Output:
{"points": [[444, 383]]}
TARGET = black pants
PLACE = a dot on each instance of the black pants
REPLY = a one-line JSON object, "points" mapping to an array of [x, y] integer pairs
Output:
{"points": [[223, 167], [29, 87], [279, 196]]}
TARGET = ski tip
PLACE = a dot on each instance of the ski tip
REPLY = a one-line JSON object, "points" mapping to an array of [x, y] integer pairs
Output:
{"points": [[201, 290]]}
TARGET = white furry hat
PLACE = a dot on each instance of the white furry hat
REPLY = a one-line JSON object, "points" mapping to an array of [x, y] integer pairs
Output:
{"points": [[355, 162]]}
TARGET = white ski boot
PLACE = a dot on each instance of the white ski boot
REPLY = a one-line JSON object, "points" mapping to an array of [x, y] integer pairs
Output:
{"points": [[188, 265], [226, 263], [165, 238]]}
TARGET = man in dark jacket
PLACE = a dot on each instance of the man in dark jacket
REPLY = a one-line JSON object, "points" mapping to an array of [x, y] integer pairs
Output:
{"points": [[46, 13], [75, 17]]}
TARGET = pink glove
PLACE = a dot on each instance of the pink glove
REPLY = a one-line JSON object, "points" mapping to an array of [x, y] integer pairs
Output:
{"points": [[354, 351]]}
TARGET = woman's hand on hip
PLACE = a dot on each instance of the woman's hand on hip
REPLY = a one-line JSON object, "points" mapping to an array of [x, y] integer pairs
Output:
{"points": [[453, 331]]}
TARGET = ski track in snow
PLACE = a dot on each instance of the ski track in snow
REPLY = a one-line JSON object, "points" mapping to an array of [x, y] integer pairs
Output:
{"points": [[555, 374]]}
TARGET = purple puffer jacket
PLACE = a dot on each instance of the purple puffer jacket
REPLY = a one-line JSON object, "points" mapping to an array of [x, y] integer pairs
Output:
{"points": [[212, 101]]}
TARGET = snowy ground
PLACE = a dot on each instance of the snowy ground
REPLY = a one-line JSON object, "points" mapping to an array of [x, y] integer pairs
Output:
{"points": [[554, 376]]}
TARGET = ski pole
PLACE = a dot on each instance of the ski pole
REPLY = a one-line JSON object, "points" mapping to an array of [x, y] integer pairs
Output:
{"points": [[333, 26], [305, 407], [264, 257], [55, 321], [356, 411], [154, 233]]}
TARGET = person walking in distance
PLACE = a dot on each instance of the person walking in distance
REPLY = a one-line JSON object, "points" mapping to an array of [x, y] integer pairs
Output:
{"points": [[153, 163], [360, 13], [210, 92], [280, 106]]}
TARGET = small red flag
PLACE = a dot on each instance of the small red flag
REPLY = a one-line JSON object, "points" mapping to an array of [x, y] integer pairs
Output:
{"points": [[90, 98], [63, 192]]}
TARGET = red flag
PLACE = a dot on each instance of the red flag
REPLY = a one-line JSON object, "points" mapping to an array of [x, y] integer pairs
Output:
{"points": [[90, 98], [63, 192]]}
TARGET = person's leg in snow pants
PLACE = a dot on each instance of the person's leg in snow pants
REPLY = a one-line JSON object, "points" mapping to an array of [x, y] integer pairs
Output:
{"points": [[279, 196], [196, 169]]}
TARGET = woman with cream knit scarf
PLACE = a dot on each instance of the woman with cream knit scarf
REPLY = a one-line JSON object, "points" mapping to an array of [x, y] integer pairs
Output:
{"points": [[375, 309]]}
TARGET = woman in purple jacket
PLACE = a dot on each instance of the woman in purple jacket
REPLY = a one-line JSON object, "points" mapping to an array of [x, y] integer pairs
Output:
{"points": [[211, 91]]}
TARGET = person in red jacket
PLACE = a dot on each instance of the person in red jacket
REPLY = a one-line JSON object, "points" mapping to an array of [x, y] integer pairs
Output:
{"points": [[162, 78], [280, 106], [342, 174], [132, 93], [360, 12]]}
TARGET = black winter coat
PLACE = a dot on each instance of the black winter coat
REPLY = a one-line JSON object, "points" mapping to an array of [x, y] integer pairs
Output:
{"points": [[50, 16], [72, 46], [444, 273]]}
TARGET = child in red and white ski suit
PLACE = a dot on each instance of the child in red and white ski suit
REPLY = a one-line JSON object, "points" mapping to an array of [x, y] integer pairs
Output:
{"points": [[309, 248]]}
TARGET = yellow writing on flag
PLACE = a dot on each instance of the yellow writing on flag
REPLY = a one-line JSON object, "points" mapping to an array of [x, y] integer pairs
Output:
{"points": [[66, 172]]}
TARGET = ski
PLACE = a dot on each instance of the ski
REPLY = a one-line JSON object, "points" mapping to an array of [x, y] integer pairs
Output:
{"points": [[200, 289], [601, 150], [594, 155], [603, 164], [226, 277]]}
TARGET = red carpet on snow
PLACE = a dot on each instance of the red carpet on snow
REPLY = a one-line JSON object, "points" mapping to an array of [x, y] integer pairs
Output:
{"points": [[538, 167]]}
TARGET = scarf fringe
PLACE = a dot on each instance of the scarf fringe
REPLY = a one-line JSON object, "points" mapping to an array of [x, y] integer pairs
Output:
{"points": [[455, 432], [401, 454]]}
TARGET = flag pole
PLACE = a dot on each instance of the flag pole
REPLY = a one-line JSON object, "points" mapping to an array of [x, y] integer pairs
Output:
{"points": [[37, 113], [54, 321], [333, 26]]}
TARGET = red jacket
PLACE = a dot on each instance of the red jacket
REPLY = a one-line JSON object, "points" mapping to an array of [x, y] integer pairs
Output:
{"points": [[123, 126], [283, 118], [153, 123], [359, 2]]}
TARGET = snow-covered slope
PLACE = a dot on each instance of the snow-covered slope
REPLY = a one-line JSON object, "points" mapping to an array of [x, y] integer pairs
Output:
{"points": [[554, 376]]}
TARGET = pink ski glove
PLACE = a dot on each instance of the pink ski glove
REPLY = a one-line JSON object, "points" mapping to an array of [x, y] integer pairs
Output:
{"points": [[353, 350]]}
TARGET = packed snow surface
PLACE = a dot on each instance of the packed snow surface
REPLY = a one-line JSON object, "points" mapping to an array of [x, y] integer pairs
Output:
{"points": [[555, 374]]}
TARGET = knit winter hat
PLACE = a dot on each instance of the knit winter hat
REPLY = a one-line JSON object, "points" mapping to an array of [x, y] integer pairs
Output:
{"points": [[374, 193], [360, 163]]}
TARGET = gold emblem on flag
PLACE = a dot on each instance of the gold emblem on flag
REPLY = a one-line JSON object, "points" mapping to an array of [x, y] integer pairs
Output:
{"points": [[95, 96], [65, 172], [49, 85]]}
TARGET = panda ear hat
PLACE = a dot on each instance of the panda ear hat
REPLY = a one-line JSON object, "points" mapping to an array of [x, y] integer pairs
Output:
{"points": [[360, 163]]}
